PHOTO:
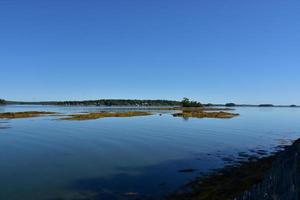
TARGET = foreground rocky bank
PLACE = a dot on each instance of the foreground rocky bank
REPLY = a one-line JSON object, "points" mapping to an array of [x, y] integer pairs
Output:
{"points": [[282, 181], [276, 177]]}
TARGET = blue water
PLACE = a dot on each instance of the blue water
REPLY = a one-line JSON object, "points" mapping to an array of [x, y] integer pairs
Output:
{"points": [[121, 158]]}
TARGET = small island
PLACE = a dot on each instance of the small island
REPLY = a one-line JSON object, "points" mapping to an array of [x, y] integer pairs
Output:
{"points": [[266, 105], [230, 104], [195, 109], [205, 114]]}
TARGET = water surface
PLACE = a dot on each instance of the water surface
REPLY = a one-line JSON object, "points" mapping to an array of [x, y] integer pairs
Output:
{"points": [[118, 158]]}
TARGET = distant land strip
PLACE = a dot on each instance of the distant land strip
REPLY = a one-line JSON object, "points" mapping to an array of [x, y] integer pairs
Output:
{"points": [[131, 102]]}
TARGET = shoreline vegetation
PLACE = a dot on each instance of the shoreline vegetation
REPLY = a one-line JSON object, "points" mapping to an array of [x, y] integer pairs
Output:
{"points": [[27, 114], [104, 114], [258, 178]]}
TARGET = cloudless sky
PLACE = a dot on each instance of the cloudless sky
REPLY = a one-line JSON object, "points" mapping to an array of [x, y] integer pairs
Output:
{"points": [[209, 50]]}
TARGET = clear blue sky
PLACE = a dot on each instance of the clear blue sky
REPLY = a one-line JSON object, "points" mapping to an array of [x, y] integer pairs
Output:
{"points": [[209, 50]]}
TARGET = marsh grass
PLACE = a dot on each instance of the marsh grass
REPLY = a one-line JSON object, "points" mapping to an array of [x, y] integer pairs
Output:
{"points": [[27, 114], [97, 115]]}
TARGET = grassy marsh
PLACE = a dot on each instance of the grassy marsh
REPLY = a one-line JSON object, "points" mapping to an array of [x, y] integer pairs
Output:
{"points": [[27, 114], [97, 115]]}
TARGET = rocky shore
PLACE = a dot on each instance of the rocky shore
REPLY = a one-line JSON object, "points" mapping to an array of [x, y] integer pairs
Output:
{"points": [[276, 177], [282, 181]]}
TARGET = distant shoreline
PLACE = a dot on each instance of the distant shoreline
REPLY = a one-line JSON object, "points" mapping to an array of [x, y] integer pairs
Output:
{"points": [[133, 102]]}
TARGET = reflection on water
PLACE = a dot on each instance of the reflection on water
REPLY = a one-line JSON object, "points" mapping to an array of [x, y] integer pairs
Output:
{"points": [[4, 124], [120, 158]]}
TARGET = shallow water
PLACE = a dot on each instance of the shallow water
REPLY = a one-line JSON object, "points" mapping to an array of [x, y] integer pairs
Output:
{"points": [[119, 158]]}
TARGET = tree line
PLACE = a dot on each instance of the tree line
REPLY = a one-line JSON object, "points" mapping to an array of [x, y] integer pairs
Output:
{"points": [[2, 101], [187, 103], [115, 102]]}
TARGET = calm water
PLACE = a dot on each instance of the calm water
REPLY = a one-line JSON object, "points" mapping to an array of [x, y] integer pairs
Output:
{"points": [[45, 158]]}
